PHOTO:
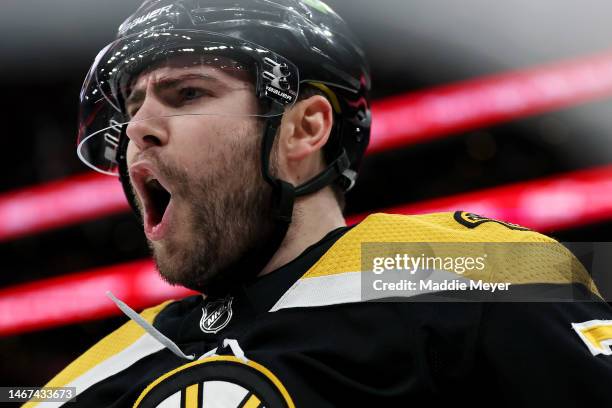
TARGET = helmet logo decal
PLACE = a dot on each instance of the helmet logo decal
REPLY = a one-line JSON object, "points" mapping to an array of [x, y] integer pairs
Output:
{"points": [[143, 19], [216, 315], [277, 86]]}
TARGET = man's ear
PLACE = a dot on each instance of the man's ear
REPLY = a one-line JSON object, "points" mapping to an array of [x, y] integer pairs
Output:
{"points": [[305, 128]]}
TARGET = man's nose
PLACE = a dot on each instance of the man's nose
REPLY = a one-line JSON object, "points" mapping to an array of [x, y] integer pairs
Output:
{"points": [[148, 127]]}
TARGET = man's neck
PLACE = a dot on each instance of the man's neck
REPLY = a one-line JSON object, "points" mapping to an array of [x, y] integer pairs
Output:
{"points": [[314, 216]]}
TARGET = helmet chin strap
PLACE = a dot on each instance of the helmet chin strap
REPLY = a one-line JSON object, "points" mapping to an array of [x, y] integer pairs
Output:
{"points": [[334, 171], [284, 193]]}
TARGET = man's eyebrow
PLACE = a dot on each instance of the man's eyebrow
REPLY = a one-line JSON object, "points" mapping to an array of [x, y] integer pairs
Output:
{"points": [[170, 82], [138, 95]]}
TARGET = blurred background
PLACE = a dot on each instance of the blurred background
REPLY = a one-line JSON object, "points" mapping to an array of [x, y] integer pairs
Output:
{"points": [[499, 108]]}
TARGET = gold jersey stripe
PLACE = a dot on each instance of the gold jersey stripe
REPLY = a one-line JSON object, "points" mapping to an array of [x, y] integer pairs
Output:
{"points": [[252, 402], [191, 396]]}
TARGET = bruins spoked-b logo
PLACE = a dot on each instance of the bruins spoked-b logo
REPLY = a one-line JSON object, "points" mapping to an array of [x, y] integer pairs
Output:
{"points": [[219, 382], [216, 315]]}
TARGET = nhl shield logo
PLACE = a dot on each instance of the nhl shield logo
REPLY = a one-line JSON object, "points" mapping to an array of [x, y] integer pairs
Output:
{"points": [[216, 315]]}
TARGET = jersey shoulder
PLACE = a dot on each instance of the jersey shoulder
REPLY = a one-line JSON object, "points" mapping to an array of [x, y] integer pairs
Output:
{"points": [[459, 228], [103, 352], [516, 255]]}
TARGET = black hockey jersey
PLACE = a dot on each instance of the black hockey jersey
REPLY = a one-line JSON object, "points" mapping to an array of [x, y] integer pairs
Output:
{"points": [[304, 336]]}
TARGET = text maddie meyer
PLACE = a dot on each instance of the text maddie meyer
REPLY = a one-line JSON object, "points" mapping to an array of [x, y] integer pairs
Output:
{"points": [[429, 285]]}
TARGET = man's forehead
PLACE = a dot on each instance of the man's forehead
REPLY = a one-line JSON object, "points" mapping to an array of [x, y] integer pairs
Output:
{"points": [[213, 67]]}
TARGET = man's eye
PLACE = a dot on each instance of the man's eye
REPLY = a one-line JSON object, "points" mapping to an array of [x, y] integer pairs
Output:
{"points": [[190, 93]]}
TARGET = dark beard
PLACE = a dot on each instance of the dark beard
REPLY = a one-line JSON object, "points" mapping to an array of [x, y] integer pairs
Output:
{"points": [[231, 217]]}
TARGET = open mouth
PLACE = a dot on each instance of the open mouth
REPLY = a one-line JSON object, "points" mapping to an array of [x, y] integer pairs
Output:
{"points": [[155, 197]]}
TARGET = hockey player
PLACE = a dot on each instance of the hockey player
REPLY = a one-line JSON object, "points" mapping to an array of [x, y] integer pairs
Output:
{"points": [[235, 128]]}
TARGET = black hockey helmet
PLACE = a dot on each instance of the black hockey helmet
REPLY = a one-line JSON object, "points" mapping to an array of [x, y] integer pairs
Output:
{"points": [[290, 44]]}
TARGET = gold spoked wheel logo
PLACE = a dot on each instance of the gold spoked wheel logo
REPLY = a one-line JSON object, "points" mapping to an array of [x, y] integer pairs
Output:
{"points": [[219, 381]]}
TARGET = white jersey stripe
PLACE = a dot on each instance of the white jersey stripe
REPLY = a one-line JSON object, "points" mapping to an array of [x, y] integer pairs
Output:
{"points": [[141, 348], [346, 287]]}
